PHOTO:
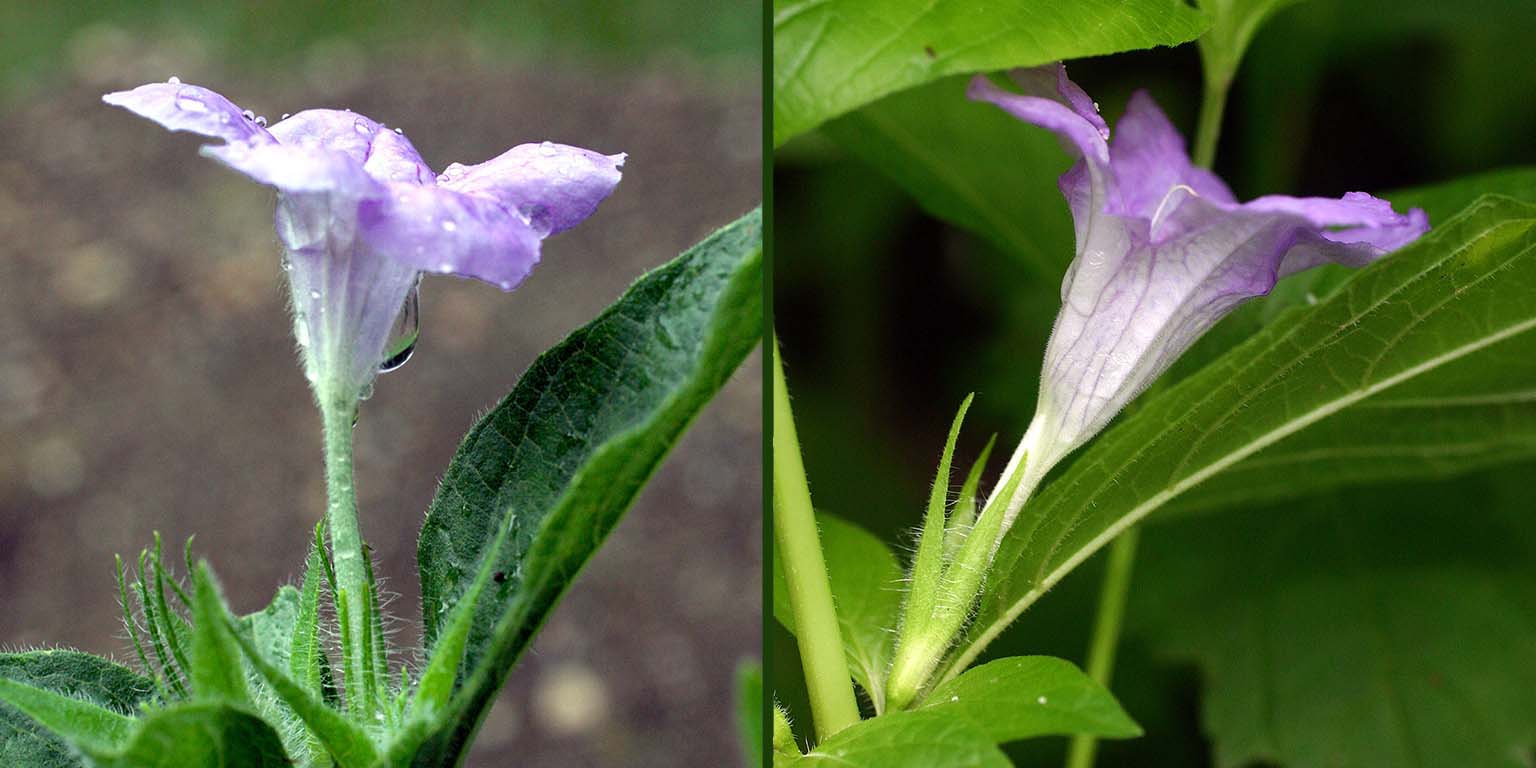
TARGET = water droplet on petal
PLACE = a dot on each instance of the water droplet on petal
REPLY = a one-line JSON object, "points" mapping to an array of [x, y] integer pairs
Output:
{"points": [[249, 115], [285, 116], [449, 225], [399, 132], [174, 80], [1095, 106], [547, 149], [361, 126], [506, 285], [407, 329], [261, 120], [314, 295], [445, 267]]}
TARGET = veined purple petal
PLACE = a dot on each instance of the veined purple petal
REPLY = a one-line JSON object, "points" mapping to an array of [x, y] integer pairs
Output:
{"points": [[182, 107], [553, 185], [447, 232]]}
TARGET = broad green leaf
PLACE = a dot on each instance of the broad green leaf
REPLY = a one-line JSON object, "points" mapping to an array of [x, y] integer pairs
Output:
{"points": [[80, 676], [558, 462], [749, 711], [833, 56], [908, 740], [1389, 626], [1021, 697], [969, 164], [1460, 291], [200, 735], [866, 585]]}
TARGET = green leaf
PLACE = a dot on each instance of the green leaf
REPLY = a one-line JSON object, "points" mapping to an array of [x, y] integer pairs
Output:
{"points": [[833, 56], [1455, 294], [969, 164], [305, 654], [1389, 626], [749, 711], [866, 586], [216, 670], [200, 735], [923, 739], [84, 678], [1021, 697], [557, 463]]}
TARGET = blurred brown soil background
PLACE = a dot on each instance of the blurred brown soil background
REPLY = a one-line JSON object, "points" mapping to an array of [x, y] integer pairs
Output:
{"points": [[148, 378]]}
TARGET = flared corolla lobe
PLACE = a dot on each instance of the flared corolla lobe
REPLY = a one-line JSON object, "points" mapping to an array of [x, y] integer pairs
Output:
{"points": [[361, 215], [1164, 251]]}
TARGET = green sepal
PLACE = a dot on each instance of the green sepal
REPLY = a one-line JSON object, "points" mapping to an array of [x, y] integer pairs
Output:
{"points": [[964, 514]]}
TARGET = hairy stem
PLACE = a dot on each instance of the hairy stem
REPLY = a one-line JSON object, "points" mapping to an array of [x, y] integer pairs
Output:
{"points": [[1106, 630], [810, 593], [347, 549]]}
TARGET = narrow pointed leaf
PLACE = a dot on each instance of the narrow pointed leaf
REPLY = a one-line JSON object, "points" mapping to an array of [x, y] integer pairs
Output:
{"points": [[964, 514]]}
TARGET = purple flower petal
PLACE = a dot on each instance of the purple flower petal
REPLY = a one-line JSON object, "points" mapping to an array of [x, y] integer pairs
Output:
{"points": [[393, 158], [361, 216], [555, 186], [1149, 159], [193, 108], [1164, 252], [439, 230], [298, 170]]}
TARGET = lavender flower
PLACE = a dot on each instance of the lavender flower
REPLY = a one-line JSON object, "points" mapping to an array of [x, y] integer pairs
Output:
{"points": [[361, 216], [1163, 252]]}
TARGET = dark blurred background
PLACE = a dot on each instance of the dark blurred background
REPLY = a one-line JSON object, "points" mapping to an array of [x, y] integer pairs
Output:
{"points": [[888, 316], [148, 379]]}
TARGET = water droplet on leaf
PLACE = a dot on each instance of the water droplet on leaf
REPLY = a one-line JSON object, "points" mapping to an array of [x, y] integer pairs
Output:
{"points": [[402, 338]]}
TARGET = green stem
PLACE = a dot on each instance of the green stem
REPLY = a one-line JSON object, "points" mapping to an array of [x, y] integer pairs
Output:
{"points": [[352, 586], [1212, 107], [1106, 630], [810, 593]]}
